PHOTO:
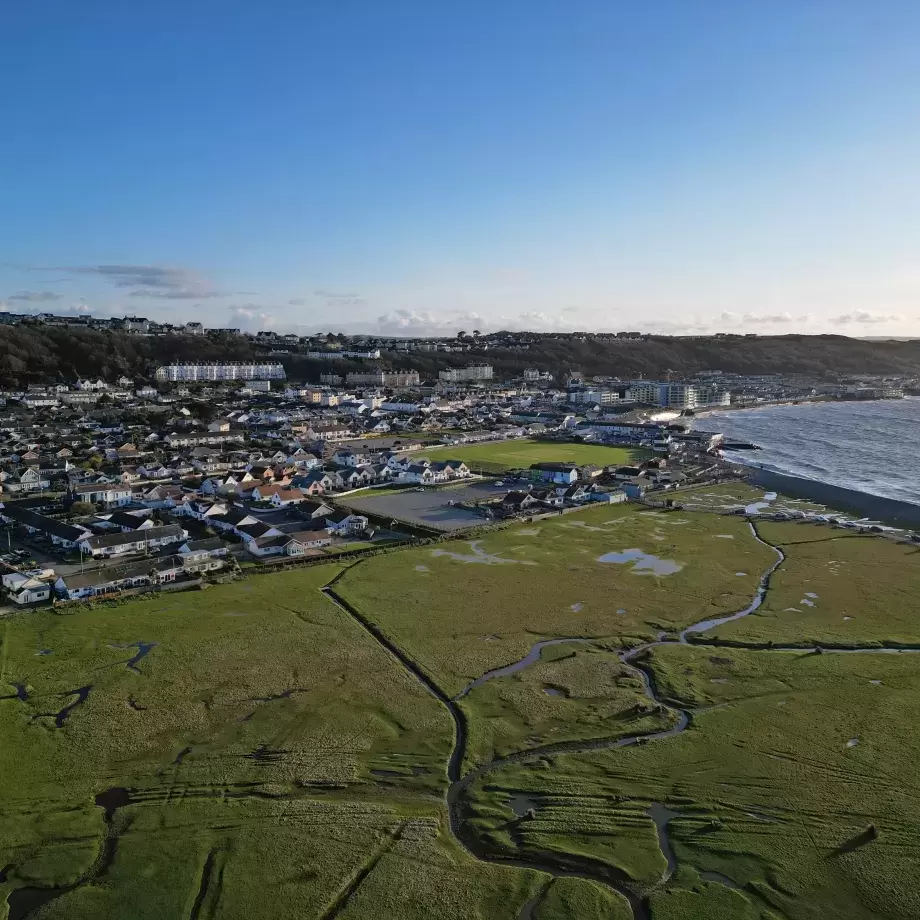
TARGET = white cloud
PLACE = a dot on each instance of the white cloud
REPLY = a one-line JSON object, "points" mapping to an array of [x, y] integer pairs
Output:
{"points": [[250, 317], [767, 319], [864, 317]]}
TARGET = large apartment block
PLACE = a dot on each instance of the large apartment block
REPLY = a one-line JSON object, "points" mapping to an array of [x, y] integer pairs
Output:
{"points": [[190, 373], [678, 395], [473, 373], [382, 378]]}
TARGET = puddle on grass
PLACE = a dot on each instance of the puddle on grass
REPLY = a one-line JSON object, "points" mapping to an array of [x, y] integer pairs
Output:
{"points": [[791, 610], [45, 651], [757, 507], [20, 693], [529, 531], [532, 657], [811, 595], [643, 563], [422, 568], [718, 680], [521, 803], [741, 574], [845, 619], [876, 682], [143, 650], [576, 607], [554, 691], [807, 602], [480, 555], [724, 536], [621, 611], [852, 742], [60, 717]]}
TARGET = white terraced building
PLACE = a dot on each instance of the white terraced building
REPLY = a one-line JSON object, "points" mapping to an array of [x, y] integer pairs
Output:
{"points": [[190, 373]]}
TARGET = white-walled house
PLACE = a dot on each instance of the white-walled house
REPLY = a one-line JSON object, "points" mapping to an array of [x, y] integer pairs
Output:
{"points": [[121, 544], [295, 544], [23, 589], [111, 495], [346, 524]]}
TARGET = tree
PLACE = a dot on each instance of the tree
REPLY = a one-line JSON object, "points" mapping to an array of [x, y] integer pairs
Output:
{"points": [[82, 508]]}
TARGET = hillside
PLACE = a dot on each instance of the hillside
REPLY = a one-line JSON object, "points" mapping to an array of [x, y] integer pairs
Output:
{"points": [[36, 353]]}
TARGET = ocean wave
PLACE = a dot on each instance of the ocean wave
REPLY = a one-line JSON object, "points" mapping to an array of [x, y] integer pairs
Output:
{"points": [[871, 447]]}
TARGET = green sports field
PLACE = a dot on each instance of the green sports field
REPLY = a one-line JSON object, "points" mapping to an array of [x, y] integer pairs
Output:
{"points": [[521, 454]]}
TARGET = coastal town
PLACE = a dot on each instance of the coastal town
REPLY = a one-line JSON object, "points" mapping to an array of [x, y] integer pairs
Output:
{"points": [[202, 470]]}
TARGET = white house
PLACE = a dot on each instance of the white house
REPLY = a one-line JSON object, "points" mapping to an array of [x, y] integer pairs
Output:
{"points": [[296, 544], [421, 474], [143, 541], [23, 589], [346, 524], [109, 494]]}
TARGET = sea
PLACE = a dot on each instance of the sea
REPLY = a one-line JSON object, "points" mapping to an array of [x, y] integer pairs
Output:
{"points": [[870, 446]]}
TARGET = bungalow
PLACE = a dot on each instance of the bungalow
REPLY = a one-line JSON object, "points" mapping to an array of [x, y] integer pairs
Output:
{"points": [[517, 500], [120, 544], [113, 579], [213, 546], [205, 511], [314, 510], [231, 519], [108, 494], [575, 493], [129, 521], [154, 471], [278, 495], [231, 484], [548, 497], [289, 544], [256, 531], [342, 524]]}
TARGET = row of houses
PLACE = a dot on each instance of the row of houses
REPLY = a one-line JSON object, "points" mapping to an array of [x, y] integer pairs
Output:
{"points": [[320, 523], [145, 538]]}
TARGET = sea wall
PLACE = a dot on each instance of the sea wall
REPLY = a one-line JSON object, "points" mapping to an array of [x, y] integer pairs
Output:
{"points": [[871, 506]]}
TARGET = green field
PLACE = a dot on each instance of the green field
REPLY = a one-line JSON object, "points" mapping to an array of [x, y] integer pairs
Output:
{"points": [[464, 607], [246, 736], [275, 751], [836, 588], [790, 758], [521, 454]]}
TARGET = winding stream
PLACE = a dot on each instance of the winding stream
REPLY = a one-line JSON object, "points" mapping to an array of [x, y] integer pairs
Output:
{"points": [[560, 864]]}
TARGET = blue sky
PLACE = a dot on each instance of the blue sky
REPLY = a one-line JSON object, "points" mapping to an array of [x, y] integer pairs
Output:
{"points": [[412, 167]]}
